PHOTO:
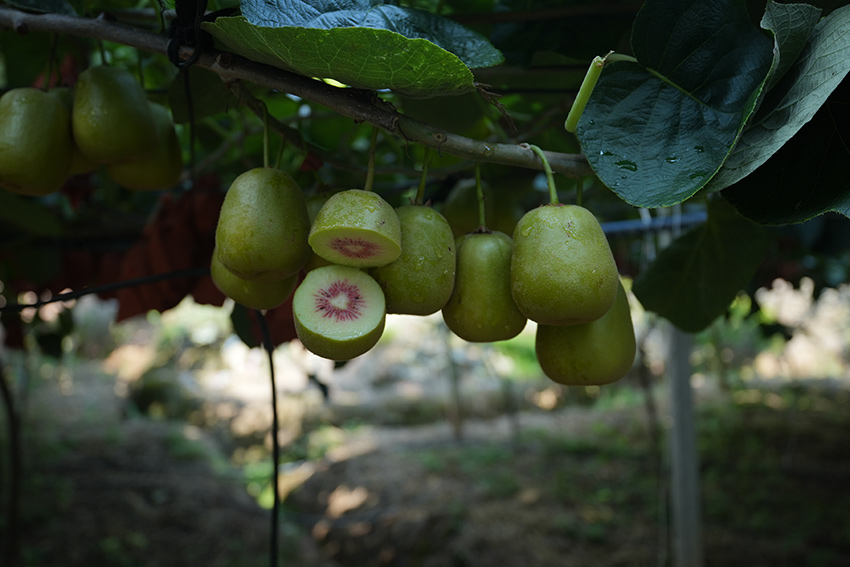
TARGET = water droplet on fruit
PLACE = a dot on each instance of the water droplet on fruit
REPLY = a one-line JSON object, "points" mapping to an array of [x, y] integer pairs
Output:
{"points": [[525, 231]]}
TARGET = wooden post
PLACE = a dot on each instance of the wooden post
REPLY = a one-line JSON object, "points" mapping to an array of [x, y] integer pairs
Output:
{"points": [[685, 494]]}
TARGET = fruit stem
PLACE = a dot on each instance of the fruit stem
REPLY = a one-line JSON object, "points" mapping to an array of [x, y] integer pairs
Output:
{"points": [[269, 348], [265, 135], [479, 192], [370, 173], [584, 91], [420, 191], [550, 178], [48, 73]]}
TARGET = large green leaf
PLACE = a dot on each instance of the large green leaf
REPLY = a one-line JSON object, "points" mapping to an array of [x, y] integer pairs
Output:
{"points": [[822, 65], [808, 176], [656, 131], [409, 51], [694, 280]]}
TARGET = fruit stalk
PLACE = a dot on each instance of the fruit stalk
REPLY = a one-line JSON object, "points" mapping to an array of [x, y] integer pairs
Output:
{"points": [[420, 191], [479, 192], [370, 173], [550, 178]]}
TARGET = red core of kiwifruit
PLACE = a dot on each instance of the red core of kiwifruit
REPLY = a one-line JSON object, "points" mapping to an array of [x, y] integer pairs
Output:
{"points": [[359, 248], [341, 301]]}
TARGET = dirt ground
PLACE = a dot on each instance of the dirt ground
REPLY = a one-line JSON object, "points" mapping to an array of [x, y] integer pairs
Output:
{"points": [[106, 486]]}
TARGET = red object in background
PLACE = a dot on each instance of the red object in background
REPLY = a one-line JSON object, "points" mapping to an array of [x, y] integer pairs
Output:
{"points": [[66, 76]]}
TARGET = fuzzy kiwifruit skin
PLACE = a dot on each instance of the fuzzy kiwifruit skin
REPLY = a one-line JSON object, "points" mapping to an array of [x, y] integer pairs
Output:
{"points": [[562, 270], [357, 214], [481, 308], [111, 118], [250, 293], [325, 336], [160, 169], [595, 353], [421, 281], [36, 146], [263, 226]]}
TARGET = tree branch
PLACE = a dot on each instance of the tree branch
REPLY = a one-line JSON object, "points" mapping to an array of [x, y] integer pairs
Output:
{"points": [[361, 106]]}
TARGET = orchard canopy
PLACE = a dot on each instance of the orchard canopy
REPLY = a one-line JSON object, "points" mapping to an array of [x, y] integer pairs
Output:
{"points": [[736, 112]]}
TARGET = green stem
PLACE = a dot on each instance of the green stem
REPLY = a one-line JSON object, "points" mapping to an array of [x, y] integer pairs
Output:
{"points": [[579, 190], [370, 173], [420, 191], [279, 157], [265, 135], [48, 73], [584, 92], [479, 192], [550, 177]]}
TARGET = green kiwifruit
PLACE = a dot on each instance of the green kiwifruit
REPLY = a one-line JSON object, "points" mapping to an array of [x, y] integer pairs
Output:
{"points": [[160, 169], [421, 281], [481, 308], [36, 147], [595, 353], [251, 293], [263, 226], [111, 118], [562, 270]]}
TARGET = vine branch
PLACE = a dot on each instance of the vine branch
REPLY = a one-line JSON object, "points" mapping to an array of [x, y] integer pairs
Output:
{"points": [[361, 106]]}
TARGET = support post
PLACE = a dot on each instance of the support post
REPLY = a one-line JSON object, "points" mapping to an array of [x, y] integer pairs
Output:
{"points": [[685, 501]]}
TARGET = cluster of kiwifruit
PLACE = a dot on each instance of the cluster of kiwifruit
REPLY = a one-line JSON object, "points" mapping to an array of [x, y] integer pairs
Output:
{"points": [[364, 259], [105, 120]]}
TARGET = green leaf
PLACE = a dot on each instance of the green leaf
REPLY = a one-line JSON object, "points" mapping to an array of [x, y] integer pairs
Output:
{"points": [[412, 52], [694, 280], [808, 176], [209, 95], [791, 25], [656, 131], [470, 47], [815, 74], [29, 215]]}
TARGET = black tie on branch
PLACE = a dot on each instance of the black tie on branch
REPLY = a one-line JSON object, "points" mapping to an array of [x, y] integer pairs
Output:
{"points": [[185, 29]]}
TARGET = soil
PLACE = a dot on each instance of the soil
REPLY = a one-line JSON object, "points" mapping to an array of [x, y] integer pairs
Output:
{"points": [[106, 486]]}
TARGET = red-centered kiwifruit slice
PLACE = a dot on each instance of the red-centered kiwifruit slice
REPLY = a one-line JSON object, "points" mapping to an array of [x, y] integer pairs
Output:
{"points": [[251, 293], [339, 312], [595, 353], [356, 228], [481, 308], [421, 281]]}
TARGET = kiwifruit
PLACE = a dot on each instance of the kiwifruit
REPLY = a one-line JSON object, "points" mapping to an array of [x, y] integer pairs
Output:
{"points": [[339, 312], [481, 308], [421, 281], [36, 147], [160, 169], [356, 228], [111, 118], [251, 293], [562, 269], [263, 226], [595, 353]]}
